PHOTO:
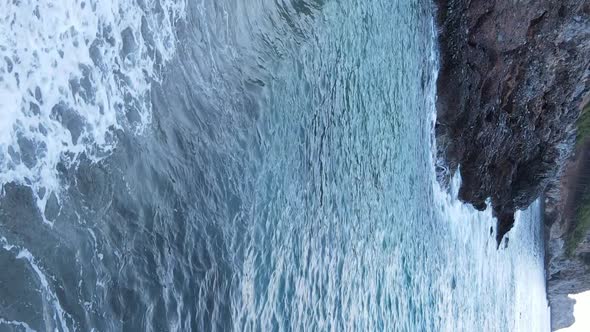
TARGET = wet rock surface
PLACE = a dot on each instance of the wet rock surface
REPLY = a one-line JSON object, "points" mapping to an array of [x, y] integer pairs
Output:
{"points": [[514, 77]]}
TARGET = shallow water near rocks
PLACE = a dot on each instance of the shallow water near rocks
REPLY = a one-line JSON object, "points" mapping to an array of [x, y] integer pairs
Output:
{"points": [[278, 176]]}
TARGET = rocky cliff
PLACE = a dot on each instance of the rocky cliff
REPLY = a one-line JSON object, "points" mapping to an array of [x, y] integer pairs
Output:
{"points": [[514, 77], [567, 255]]}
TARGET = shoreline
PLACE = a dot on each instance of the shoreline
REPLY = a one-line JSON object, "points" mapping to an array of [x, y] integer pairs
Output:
{"points": [[512, 82]]}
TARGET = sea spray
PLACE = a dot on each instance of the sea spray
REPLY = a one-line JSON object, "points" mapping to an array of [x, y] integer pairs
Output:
{"points": [[71, 73]]}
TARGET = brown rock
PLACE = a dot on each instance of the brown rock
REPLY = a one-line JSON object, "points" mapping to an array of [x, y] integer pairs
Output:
{"points": [[514, 76], [512, 80]]}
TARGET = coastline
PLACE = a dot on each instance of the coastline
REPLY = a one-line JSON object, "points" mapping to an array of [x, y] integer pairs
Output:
{"points": [[512, 83]]}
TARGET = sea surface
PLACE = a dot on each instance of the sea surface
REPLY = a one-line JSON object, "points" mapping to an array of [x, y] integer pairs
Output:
{"points": [[230, 165]]}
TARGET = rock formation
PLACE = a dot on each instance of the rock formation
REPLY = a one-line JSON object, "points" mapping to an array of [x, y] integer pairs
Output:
{"points": [[512, 81], [567, 272], [514, 76]]}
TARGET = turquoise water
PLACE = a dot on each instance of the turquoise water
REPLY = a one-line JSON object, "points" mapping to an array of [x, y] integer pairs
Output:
{"points": [[272, 170]]}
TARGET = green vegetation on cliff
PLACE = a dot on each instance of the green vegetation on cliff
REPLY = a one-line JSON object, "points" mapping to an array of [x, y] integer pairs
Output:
{"points": [[582, 224], [582, 221]]}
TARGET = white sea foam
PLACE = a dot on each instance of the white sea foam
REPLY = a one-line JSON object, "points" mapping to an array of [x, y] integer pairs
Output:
{"points": [[24, 325], [71, 72], [49, 297]]}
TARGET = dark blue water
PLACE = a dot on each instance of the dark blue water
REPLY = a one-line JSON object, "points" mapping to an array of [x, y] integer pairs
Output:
{"points": [[223, 165]]}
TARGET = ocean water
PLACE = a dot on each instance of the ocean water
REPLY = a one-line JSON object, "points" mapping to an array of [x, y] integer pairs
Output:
{"points": [[240, 166]]}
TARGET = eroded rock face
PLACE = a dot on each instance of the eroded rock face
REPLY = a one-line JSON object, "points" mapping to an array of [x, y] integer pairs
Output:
{"points": [[567, 273], [513, 77], [562, 312]]}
